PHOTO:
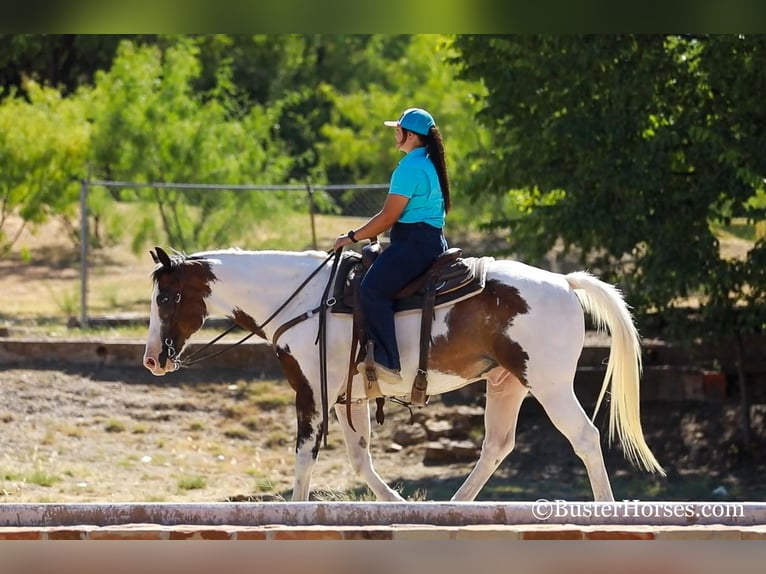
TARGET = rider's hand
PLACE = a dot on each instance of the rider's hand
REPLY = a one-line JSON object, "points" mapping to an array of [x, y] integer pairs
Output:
{"points": [[341, 242]]}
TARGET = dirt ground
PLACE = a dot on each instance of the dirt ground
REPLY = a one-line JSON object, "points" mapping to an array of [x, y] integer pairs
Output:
{"points": [[122, 436]]}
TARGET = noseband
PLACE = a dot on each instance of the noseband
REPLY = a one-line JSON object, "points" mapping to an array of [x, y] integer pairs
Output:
{"points": [[167, 305]]}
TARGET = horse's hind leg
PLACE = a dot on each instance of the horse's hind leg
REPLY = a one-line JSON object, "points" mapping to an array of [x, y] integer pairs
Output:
{"points": [[568, 416], [504, 397], [358, 449]]}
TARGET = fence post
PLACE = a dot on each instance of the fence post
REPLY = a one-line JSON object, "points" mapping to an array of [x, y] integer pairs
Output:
{"points": [[84, 254], [310, 191]]}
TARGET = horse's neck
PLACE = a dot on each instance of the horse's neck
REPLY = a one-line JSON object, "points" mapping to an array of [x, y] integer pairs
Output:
{"points": [[259, 282]]}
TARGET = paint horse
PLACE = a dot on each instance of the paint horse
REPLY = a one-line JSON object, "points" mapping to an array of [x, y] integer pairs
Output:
{"points": [[522, 335]]}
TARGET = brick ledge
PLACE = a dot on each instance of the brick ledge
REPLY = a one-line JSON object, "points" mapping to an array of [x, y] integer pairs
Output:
{"points": [[393, 533]]}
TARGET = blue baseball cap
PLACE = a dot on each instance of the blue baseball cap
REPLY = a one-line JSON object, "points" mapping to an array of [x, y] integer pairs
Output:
{"points": [[414, 119]]}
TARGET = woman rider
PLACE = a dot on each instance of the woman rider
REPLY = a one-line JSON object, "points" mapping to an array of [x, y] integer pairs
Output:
{"points": [[415, 210]]}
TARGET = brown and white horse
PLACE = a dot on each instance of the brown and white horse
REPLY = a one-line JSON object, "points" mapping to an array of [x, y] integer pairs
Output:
{"points": [[523, 334]]}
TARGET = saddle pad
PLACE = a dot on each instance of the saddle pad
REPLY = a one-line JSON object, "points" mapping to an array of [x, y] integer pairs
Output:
{"points": [[351, 264]]}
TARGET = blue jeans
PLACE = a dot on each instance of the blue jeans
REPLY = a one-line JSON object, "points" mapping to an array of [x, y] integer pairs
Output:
{"points": [[414, 247]]}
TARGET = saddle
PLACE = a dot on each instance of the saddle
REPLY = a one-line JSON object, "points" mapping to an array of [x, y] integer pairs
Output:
{"points": [[451, 278]]}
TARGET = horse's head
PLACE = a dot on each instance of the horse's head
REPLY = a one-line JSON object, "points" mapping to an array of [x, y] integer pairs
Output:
{"points": [[178, 308]]}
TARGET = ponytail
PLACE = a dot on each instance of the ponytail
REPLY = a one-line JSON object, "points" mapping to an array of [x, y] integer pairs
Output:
{"points": [[435, 150]]}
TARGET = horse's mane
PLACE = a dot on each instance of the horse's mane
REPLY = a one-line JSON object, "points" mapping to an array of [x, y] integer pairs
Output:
{"points": [[179, 258], [245, 252]]}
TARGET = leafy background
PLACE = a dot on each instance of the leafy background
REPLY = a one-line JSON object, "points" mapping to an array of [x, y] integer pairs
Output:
{"points": [[633, 155]]}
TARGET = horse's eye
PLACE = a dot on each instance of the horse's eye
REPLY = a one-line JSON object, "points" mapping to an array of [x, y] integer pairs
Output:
{"points": [[162, 299]]}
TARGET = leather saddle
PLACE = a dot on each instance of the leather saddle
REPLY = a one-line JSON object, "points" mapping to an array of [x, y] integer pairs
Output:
{"points": [[451, 278], [454, 278]]}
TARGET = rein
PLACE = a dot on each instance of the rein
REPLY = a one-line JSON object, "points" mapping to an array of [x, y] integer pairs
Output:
{"points": [[322, 339], [259, 329], [188, 361]]}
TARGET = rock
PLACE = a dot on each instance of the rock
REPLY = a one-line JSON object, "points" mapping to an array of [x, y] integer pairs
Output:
{"points": [[447, 451], [436, 429], [464, 450], [409, 435], [465, 418], [720, 491]]}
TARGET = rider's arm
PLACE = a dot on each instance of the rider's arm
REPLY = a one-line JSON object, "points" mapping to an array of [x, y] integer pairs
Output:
{"points": [[378, 223]]}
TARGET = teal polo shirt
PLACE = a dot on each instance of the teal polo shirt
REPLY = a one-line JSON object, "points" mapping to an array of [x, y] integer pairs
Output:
{"points": [[415, 177]]}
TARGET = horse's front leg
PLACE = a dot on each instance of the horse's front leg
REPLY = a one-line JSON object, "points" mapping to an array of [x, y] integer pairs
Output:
{"points": [[309, 424], [306, 454], [358, 448], [304, 465]]}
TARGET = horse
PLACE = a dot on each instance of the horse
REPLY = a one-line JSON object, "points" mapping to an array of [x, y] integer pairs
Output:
{"points": [[522, 334]]}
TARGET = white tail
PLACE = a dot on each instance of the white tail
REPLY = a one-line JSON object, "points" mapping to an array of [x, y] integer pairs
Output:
{"points": [[605, 303]]}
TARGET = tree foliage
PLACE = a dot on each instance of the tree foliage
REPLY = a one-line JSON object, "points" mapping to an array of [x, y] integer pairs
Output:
{"points": [[61, 61], [636, 150], [43, 144], [151, 126], [243, 109]]}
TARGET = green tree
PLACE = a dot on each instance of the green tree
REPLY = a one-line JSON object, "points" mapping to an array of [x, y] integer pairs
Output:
{"points": [[297, 74], [43, 146], [61, 61], [634, 150], [149, 125]]}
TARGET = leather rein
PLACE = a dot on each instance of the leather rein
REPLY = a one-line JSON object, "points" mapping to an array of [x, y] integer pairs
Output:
{"points": [[258, 330]]}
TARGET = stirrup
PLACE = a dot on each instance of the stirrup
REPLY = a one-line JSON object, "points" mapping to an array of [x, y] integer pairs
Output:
{"points": [[372, 390], [418, 397], [369, 364]]}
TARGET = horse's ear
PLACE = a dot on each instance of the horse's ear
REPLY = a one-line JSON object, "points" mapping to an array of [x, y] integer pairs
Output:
{"points": [[162, 257], [154, 257]]}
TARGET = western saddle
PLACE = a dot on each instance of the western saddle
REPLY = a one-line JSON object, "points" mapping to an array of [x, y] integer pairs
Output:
{"points": [[450, 278]]}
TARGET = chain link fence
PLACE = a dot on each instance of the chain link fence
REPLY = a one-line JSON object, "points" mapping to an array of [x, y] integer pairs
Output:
{"points": [[327, 207]]}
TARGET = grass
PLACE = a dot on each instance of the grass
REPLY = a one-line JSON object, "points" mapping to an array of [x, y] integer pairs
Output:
{"points": [[742, 229], [67, 301], [37, 477], [238, 433], [266, 395], [192, 483], [276, 439], [113, 425]]}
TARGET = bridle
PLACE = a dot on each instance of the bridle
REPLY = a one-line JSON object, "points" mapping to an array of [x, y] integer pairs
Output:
{"points": [[168, 347], [169, 350], [178, 363]]}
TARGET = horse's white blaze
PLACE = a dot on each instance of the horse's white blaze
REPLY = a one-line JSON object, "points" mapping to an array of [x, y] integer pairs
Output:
{"points": [[154, 340], [527, 333]]}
